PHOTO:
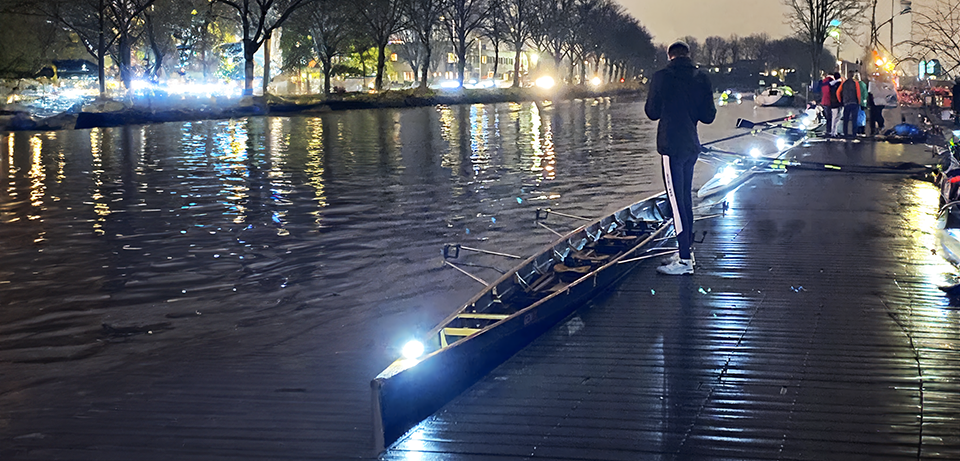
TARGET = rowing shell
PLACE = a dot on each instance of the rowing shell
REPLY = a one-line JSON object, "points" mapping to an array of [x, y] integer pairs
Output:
{"points": [[737, 172], [511, 312]]}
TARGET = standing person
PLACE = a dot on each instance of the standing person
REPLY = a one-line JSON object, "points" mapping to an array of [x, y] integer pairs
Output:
{"points": [[849, 95], [876, 115], [835, 104], [825, 102], [680, 96], [956, 102]]}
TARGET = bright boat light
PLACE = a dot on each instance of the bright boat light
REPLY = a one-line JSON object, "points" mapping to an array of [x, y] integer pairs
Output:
{"points": [[755, 152], [781, 144], [596, 81], [546, 82], [413, 349], [727, 175], [450, 84]]}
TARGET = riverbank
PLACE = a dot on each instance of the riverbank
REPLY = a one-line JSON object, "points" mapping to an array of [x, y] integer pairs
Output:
{"points": [[159, 108]]}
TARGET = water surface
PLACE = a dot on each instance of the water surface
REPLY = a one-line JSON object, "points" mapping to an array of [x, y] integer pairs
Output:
{"points": [[190, 284]]}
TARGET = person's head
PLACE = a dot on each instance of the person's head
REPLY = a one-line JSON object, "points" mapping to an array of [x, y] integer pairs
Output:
{"points": [[957, 80], [836, 75], [851, 75], [679, 49]]}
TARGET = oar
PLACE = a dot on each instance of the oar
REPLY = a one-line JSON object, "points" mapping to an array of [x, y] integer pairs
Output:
{"points": [[743, 123]]}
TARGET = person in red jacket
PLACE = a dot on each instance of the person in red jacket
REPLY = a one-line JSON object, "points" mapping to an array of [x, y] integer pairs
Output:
{"points": [[825, 102]]}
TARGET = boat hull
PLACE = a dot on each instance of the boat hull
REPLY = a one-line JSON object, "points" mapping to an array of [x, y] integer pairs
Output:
{"points": [[409, 391]]}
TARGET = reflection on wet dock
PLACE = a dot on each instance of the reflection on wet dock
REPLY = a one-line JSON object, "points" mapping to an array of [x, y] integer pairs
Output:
{"points": [[813, 329]]}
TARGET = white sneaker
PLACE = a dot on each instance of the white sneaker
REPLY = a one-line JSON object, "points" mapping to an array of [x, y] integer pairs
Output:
{"points": [[676, 257], [680, 267]]}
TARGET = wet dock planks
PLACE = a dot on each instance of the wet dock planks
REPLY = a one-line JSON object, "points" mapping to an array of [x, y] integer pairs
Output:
{"points": [[813, 329]]}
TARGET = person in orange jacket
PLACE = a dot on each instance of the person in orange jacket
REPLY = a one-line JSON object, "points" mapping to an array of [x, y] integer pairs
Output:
{"points": [[850, 94]]}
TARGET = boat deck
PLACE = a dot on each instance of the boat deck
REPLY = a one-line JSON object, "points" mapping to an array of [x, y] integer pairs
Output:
{"points": [[813, 329]]}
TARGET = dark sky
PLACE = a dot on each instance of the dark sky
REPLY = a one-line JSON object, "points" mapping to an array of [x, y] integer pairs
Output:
{"points": [[669, 20]]}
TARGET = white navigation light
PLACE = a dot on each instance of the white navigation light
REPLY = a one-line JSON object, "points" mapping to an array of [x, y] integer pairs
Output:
{"points": [[546, 82], [755, 152], [596, 81], [413, 349], [781, 144], [727, 175]]}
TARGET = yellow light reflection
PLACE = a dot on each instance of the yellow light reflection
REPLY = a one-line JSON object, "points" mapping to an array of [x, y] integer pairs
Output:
{"points": [[479, 156], [450, 159], [232, 166], [314, 165], [100, 206], [37, 175], [544, 157]]}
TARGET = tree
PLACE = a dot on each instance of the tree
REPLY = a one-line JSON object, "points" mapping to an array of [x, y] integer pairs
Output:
{"points": [[754, 46], [462, 18], [495, 30], [714, 51], [812, 20], [28, 41], [331, 31], [103, 27], [258, 19], [382, 19], [519, 18], [937, 28], [423, 18], [197, 35]]}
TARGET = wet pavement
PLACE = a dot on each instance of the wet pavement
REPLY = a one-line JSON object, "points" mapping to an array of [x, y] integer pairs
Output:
{"points": [[813, 329]]}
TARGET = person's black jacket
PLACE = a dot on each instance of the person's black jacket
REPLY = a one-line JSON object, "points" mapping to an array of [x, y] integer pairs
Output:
{"points": [[680, 96], [956, 98]]}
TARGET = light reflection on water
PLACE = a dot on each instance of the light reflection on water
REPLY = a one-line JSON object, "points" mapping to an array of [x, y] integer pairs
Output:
{"points": [[322, 233]]}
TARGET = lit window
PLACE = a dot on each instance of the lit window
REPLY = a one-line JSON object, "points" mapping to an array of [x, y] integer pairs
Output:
{"points": [[393, 57], [483, 59], [451, 58]]}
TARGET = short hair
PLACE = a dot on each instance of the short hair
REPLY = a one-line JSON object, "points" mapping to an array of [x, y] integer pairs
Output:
{"points": [[851, 74], [836, 75], [678, 49]]}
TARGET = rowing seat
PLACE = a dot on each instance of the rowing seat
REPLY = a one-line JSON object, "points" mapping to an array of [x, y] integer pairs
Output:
{"points": [[569, 274], [479, 316], [457, 332]]}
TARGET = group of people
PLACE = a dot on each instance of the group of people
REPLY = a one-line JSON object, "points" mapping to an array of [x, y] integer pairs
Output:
{"points": [[846, 105]]}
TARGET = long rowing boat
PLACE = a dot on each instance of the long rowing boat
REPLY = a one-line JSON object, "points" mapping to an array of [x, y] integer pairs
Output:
{"points": [[511, 312], [793, 131]]}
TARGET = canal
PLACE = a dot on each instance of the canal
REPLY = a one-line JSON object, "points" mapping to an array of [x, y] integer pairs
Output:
{"points": [[227, 288]]}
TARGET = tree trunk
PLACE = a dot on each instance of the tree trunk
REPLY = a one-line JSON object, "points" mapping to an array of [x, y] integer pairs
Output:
{"points": [[461, 61], [123, 49], [496, 61], [516, 68], [101, 51], [381, 64], [248, 51], [426, 65], [266, 63], [327, 70]]}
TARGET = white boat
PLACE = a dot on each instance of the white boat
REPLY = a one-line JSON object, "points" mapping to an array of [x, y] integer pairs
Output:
{"points": [[778, 96]]}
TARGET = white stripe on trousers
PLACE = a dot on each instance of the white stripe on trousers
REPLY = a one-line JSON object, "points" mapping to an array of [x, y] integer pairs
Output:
{"points": [[668, 183]]}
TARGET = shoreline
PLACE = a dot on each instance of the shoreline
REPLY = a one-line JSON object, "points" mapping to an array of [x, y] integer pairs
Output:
{"points": [[145, 110]]}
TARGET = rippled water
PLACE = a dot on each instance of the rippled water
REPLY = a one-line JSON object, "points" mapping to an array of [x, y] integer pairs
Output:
{"points": [[312, 243]]}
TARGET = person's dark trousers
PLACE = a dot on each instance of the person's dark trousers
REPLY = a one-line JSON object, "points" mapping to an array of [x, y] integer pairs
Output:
{"points": [[850, 112], [678, 180], [829, 115]]}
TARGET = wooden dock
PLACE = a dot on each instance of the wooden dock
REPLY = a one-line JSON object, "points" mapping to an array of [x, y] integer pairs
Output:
{"points": [[813, 329]]}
